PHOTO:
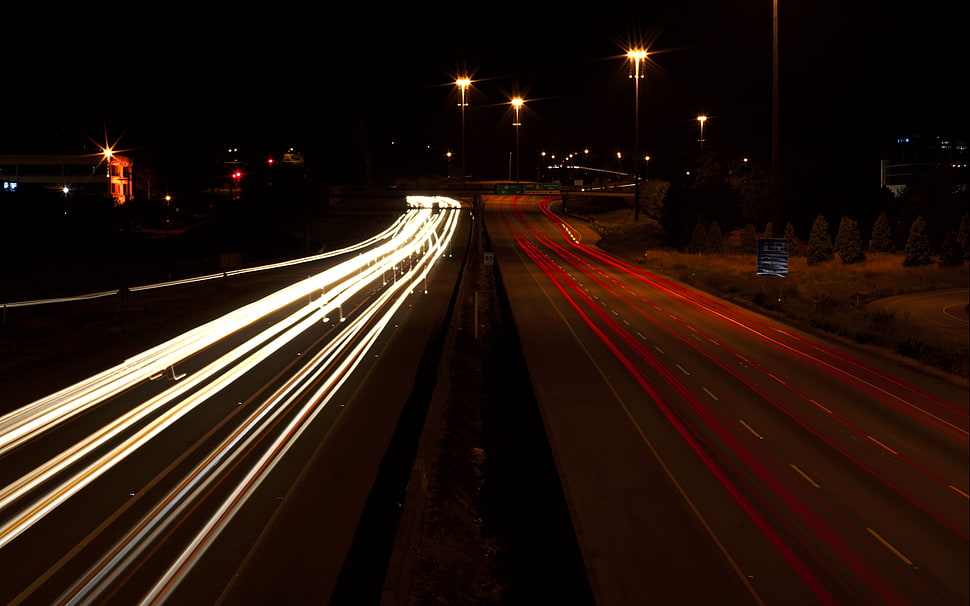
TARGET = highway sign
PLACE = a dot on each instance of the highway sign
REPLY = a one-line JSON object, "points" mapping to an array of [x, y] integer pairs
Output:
{"points": [[773, 257]]}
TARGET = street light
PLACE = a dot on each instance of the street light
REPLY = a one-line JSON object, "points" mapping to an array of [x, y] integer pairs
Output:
{"points": [[775, 153], [108, 153], [463, 83], [701, 120], [637, 56], [517, 103]]}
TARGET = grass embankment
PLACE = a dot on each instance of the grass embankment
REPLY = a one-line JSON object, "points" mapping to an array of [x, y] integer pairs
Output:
{"points": [[830, 297]]}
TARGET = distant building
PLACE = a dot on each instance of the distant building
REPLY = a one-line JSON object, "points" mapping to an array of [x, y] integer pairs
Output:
{"points": [[109, 174], [913, 157]]}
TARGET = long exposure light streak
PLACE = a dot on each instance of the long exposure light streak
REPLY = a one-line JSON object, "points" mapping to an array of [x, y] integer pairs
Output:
{"points": [[214, 276], [44, 414], [630, 349], [636, 302], [410, 250]]}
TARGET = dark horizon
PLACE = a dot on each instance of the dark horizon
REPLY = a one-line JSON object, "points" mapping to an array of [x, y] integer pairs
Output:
{"points": [[186, 84]]}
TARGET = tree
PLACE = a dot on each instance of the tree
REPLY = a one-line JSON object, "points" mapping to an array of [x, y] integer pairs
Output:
{"points": [[820, 242], [840, 234], [951, 255], [714, 243], [851, 248], [882, 235], [698, 239], [917, 251], [768, 230], [652, 196], [750, 183], [963, 236], [749, 239], [792, 240]]}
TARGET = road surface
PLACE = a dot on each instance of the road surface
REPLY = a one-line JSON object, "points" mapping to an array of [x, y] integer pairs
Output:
{"points": [[167, 477], [711, 455], [940, 314]]}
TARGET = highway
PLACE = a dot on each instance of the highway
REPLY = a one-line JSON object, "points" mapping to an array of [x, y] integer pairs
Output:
{"points": [[709, 454], [156, 480]]}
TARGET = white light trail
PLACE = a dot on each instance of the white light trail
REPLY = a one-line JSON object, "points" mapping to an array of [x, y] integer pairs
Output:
{"points": [[42, 415], [419, 237]]}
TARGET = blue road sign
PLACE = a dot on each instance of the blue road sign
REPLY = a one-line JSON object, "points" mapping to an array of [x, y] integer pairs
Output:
{"points": [[773, 257]]}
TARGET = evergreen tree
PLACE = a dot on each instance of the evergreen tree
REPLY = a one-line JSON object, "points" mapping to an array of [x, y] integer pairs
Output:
{"points": [[714, 243], [769, 230], [820, 242], [792, 240], [851, 251], [749, 239], [698, 239], [951, 255], [963, 236], [882, 235], [652, 196], [841, 234], [917, 250]]}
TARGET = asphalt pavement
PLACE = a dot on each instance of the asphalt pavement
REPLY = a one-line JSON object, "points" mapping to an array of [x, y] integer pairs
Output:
{"points": [[942, 314]]}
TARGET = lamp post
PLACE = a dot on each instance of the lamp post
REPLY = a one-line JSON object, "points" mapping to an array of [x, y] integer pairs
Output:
{"points": [[517, 103], [775, 161], [701, 120], [637, 57], [107, 152], [463, 83]]}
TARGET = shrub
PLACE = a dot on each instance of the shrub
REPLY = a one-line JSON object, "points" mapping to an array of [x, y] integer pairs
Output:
{"points": [[820, 247], [749, 239], [882, 235], [963, 236], [951, 255], [698, 239], [792, 240], [881, 321], [850, 247], [714, 242], [917, 250], [946, 358]]}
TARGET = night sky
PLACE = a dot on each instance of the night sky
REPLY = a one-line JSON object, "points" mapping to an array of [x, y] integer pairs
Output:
{"points": [[187, 82]]}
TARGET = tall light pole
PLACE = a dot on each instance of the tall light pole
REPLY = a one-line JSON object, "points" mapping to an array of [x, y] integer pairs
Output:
{"points": [[637, 57], [775, 161], [701, 120], [463, 83], [517, 103], [108, 153]]}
